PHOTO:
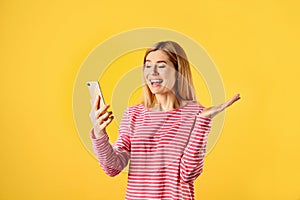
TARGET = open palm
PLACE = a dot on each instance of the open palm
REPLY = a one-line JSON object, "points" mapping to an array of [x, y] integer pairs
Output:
{"points": [[214, 110]]}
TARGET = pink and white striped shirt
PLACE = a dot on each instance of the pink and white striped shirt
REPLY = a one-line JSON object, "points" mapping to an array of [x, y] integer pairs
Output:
{"points": [[166, 151]]}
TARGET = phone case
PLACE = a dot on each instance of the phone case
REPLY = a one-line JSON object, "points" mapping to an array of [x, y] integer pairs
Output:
{"points": [[94, 88]]}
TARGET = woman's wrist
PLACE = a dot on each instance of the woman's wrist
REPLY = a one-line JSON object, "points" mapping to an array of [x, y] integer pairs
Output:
{"points": [[98, 133]]}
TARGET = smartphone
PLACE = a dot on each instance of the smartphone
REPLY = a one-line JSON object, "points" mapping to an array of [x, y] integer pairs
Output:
{"points": [[94, 88]]}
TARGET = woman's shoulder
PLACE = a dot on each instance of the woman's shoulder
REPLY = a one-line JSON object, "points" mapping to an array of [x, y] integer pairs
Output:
{"points": [[192, 106], [187, 106], [135, 109]]}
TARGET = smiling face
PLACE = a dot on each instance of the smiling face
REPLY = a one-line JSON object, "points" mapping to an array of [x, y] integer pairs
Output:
{"points": [[159, 72]]}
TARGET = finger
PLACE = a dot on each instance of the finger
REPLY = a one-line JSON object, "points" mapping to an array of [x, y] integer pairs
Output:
{"points": [[235, 98], [96, 102], [232, 100], [107, 122], [101, 110], [104, 116], [102, 123]]}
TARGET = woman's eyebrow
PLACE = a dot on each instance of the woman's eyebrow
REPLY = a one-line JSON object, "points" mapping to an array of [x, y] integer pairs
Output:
{"points": [[160, 61]]}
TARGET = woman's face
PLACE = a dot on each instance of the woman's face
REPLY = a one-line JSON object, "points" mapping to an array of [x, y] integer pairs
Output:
{"points": [[159, 72]]}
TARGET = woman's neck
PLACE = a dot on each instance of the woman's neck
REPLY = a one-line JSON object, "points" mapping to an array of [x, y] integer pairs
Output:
{"points": [[166, 102]]}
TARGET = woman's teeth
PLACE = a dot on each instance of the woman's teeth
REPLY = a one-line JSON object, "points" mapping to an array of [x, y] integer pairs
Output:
{"points": [[156, 82]]}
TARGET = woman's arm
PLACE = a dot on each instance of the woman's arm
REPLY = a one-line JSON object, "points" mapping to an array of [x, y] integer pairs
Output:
{"points": [[192, 161], [112, 158], [191, 165]]}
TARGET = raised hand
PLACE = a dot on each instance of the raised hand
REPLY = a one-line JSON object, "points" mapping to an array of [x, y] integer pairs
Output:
{"points": [[100, 117], [214, 110]]}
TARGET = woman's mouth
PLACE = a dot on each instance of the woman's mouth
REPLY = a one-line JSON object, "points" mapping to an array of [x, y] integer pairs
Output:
{"points": [[156, 82]]}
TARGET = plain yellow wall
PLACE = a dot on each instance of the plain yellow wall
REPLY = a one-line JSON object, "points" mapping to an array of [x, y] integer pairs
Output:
{"points": [[255, 45]]}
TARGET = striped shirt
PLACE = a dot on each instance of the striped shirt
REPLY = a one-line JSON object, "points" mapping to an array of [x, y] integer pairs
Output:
{"points": [[166, 150]]}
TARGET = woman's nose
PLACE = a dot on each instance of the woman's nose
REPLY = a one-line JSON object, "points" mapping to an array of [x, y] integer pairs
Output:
{"points": [[154, 70]]}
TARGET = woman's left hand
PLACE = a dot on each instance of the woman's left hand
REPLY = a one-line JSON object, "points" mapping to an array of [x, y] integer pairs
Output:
{"points": [[214, 110]]}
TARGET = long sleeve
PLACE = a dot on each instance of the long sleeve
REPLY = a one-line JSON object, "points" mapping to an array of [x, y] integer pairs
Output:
{"points": [[191, 164], [114, 158]]}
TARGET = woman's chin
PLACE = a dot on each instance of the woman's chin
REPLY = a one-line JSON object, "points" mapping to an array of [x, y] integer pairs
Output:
{"points": [[161, 90], [155, 92]]}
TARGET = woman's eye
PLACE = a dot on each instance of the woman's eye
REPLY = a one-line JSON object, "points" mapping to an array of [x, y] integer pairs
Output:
{"points": [[147, 66], [161, 66]]}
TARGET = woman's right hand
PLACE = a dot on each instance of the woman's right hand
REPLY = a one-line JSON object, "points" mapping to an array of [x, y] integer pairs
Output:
{"points": [[100, 117]]}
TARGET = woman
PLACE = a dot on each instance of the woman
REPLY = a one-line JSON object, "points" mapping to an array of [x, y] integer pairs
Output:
{"points": [[165, 136]]}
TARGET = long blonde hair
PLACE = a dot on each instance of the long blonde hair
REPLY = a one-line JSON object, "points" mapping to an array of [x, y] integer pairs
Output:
{"points": [[184, 88]]}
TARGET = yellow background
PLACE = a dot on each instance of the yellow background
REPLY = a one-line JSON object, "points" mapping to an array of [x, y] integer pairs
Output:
{"points": [[255, 45]]}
